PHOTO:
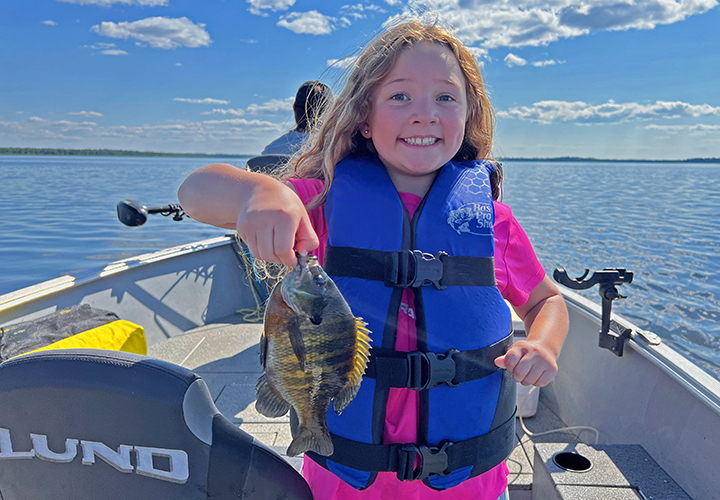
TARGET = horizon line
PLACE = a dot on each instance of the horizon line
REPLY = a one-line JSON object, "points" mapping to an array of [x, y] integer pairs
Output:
{"points": [[26, 151]]}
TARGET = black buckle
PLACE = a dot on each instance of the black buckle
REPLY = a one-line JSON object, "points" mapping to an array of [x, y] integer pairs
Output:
{"points": [[413, 268], [428, 369], [433, 460]]}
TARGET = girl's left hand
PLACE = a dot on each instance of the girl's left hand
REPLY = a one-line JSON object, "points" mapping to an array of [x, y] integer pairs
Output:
{"points": [[529, 362]]}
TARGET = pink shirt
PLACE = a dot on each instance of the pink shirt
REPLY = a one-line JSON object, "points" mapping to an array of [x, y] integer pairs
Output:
{"points": [[517, 271]]}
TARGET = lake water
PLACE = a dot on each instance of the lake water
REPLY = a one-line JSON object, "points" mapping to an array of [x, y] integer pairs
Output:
{"points": [[661, 221]]}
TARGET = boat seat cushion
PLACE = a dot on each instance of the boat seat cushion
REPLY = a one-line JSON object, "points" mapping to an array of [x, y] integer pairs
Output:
{"points": [[114, 425]]}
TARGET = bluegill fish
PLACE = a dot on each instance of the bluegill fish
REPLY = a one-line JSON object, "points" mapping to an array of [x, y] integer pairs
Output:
{"points": [[314, 352]]}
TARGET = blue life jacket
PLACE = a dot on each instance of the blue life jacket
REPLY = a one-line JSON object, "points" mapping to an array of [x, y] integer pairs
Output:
{"points": [[467, 405]]}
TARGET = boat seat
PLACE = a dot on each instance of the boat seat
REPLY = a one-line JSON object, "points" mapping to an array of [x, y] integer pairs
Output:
{"points": [[114, 425], [267, 163]]}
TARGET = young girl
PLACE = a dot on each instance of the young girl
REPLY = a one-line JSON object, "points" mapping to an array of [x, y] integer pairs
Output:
{"points": [[397, 201]]}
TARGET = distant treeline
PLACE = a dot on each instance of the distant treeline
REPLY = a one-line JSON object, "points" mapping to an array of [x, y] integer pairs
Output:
{"points": [[108, 152], [580, 159], [121, 152]]}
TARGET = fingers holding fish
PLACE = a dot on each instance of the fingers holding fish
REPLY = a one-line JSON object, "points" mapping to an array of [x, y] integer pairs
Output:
{"points": [[269, 221]]}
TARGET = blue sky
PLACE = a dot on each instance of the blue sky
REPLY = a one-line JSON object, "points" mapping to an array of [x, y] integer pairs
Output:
{"points": [[601, 78]]}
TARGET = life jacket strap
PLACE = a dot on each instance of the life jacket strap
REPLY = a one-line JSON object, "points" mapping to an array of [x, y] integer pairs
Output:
{"points": [[410, 268], [424, 370], [482, 453]]}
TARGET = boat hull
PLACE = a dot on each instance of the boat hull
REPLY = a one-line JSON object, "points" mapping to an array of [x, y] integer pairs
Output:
{"points": [[652, 395]]}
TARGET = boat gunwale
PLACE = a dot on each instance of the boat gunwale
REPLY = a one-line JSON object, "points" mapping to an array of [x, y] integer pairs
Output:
{"points": [[678, 367], [700, 383], [24, 295]]}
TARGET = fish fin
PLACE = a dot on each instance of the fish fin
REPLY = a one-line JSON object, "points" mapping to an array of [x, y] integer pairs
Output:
{"points": [[314, 439], [362, 352], [296, 340], [343, 398], [269, 402]]}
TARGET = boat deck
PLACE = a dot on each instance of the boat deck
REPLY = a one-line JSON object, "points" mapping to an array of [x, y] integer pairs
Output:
{"points": [[226, 356]]}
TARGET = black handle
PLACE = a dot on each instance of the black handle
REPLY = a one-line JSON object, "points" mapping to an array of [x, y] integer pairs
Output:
{"points": [[612, 335], [608, 276], [134, 213]]}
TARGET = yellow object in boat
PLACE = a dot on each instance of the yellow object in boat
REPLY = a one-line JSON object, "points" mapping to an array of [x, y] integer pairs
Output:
{"points": [[117, 335]]}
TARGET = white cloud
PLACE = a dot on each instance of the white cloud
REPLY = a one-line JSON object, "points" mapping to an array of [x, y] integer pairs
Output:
{"points": [[87, 114], [231, 112], [107, 49], [549, 62], [49, 23], [209, 136], [518, 23], [100, 46], [109, 3], [113, 52], [611, 112], [358, 11], [207, 100], [63, 125], [479, 53], [307, 23], [513, 60], [698, 127], [344, 63], [272, 107], [159, 32], [258, 7]]}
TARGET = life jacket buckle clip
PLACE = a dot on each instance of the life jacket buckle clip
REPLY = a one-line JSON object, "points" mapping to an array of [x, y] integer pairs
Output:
{"points": [[428, 369], [433, 460], [428, 270], [413, 268]]}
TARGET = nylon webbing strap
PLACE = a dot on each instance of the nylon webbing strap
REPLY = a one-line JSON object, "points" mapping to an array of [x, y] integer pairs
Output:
{"points": [[418, 370], [482, 453], [410, 267]]}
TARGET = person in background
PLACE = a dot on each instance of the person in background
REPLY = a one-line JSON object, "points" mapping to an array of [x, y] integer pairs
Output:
{"points": [[401, 163], [310, 101]]}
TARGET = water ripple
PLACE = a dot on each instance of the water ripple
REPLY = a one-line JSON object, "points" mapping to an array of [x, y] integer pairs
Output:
{"points": [[659, 220]]}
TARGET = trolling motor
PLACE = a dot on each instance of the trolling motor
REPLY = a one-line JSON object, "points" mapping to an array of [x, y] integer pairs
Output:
{"points": [[612, 334], [134, 213]]}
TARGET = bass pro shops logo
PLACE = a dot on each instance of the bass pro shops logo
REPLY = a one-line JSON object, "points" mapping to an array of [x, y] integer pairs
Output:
{"points": [[476, 217], [176, 461], [473, 218]]}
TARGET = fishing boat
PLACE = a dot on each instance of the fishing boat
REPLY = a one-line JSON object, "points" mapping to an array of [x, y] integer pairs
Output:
{"points": [[626, 417]]}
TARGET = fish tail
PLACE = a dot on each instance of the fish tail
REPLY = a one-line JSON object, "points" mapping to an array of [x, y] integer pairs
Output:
{"points": [[315, 439]]}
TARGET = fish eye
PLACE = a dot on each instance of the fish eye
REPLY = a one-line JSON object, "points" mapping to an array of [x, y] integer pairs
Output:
{"points": [[319, 280]]}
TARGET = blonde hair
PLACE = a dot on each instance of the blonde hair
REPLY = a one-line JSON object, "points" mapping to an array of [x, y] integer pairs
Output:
{"points": [[337, 133]]}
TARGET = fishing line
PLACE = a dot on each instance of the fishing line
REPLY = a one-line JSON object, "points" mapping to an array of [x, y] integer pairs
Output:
{"points": [[257, 313]]}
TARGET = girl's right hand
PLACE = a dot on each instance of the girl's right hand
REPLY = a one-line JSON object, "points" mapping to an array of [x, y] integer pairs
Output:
{"points": [[267, 214], [274, 224]]}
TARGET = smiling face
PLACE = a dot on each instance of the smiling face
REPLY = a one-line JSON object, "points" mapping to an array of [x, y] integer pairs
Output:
{"points": [[418, 114]]}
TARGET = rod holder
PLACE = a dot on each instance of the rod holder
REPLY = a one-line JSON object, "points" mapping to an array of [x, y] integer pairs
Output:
{"points": [[612, 334]]}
